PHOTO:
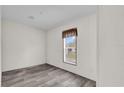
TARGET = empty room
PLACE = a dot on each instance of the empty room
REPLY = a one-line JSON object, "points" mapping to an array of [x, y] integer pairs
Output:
{"points": [[49, 46], [62, 46]]}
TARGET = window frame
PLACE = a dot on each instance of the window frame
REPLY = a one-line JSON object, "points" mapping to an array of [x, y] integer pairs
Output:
{"points": [[75, 63]]}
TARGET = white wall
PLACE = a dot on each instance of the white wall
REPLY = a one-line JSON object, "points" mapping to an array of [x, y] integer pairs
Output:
{"points": [[86, 47], [23, 46], [111, 46], [0, 45]]}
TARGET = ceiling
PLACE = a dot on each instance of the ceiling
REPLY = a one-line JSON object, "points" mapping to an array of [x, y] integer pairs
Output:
{"points": [[46, 17]]}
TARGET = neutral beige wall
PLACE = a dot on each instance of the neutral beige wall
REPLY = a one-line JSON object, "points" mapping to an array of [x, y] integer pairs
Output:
{"points": [[86, 47], [23, 46], [111, 46]]}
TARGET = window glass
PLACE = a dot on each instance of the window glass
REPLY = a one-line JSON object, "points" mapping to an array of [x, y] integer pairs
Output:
{"points": [[70, 52]]}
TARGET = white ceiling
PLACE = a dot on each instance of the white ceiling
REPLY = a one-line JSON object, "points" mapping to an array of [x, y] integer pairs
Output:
{"points": [[46, 17]]}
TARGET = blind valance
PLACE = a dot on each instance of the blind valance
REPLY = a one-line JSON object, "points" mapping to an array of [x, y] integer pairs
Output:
{"points": [[69, 33]]}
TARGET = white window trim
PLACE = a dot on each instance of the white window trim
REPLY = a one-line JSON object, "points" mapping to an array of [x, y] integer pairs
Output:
{"points": [[69, 62]]}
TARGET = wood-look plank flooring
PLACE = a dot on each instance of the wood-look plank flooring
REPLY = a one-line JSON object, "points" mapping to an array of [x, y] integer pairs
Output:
{"points": [[44, 76]]}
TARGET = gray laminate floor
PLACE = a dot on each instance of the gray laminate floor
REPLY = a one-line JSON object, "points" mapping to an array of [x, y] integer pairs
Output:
{"points": [[44, 76]]}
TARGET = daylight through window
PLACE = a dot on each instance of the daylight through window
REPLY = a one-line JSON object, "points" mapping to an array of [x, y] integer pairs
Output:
{"points": [[70, 46]]}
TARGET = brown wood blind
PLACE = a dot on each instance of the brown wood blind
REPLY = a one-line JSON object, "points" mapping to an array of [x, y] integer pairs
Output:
{"points": [[69, 33]]}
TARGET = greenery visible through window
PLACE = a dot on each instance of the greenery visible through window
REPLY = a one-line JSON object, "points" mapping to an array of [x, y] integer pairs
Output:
{"points": [[70, 46]]}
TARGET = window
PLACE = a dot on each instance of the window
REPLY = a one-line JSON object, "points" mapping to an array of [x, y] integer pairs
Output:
{"points": [[70, 46]]}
